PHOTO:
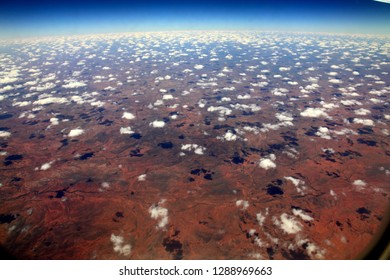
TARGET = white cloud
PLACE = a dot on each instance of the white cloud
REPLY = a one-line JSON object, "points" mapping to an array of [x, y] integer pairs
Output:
{"points": [[119, 247], [159, 213], [359, 184], [128, 116], [50, 100], [363, 121], [76, 132], [126, 130], [284, 117], [5, 134], [222, 111], [43, 87], [230, 136], [198, 66], [293, 180], [167, 97], [332, 193], [350, 102], [8, 80], [71, 84], [323, 132], [302, 215], [312, 250], [245, 96], [142, 177], [260, 217], [383, 1], [335, 81], [243, 204], [54, 121], [288, 224], [46, 165], [199, 150], [314, 113], [157, 124], [299, 184], [267, 163], [362, 112]]}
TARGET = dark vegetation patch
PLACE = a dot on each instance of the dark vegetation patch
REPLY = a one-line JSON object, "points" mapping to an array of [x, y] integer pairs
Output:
{"points": [[236, 159], [118, 215], [332, 174], [370, 143], [64, 143], [136, 136], [166, 145], [274, 188], [86, 156], [311, 131], [5, 116], [364, 213], [7, 218], [350, 154], [10, 159], [363, 210], [60, 193], [207, 174], [30, 122], [223, 126], [174, 247], [16, 179], [106, 122], [365, 130], [270, 252], [295, 255], [136, 153], [14, 157]]}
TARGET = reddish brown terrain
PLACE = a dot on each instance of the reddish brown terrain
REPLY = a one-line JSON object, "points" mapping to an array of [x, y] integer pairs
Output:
{"points": [[193, 146]]}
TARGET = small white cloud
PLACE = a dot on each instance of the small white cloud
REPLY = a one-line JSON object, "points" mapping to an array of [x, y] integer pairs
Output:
{"points": [[323, 132], [50, 100], [363, 121], [142, 177], [119, 247], [350, 102], [128, 116], [157, 124], [260, 217], [167, 97], [159, 213], [230, 136], [54, 121], [302, 215], [5, 134], [199, 150], [243, 204], [46, 166], [314, 113], [335, 81], [74, 84], [362, 112], [198, 66], [359, 184], [76, 132], [268, 163], [126, 130], [288, 224]]}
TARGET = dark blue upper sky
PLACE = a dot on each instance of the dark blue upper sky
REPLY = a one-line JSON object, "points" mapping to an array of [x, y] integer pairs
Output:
{"points": [[36, 18]]}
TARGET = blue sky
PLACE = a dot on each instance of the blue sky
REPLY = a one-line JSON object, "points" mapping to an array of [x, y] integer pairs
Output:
{"points": [[40, 18]]}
